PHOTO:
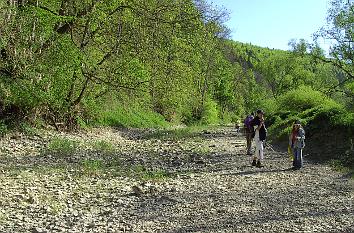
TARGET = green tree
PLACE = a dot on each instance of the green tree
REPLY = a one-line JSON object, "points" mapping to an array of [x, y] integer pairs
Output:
{"points": [[339, 31]]}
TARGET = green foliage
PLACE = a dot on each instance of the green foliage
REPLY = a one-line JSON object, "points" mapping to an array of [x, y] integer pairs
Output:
{"points": [[269, 106], [210, 113], [131, 117], [227, 117], [344, 119], [27, 128], [281, 121], [339, 30], [303, 98], [202, 150], [83, 123], [111, 63], [155, 175]]}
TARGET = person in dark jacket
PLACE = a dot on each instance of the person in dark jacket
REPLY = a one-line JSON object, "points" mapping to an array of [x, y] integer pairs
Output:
{"points": [[297, 143], [260, 134]]}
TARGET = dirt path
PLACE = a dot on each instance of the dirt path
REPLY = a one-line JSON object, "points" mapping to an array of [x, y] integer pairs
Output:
{"points": [[129, 181]]}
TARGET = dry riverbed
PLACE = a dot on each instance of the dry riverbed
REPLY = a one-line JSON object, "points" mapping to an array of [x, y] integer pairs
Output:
{"points": [[110, 180]]}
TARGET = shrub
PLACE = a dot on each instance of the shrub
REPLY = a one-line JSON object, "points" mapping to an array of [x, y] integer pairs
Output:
{"points": [[304, 98], [27, 128], [269, 106], [210, 113], [227, 117], [186, 116], [131, 117], [282, 121]]}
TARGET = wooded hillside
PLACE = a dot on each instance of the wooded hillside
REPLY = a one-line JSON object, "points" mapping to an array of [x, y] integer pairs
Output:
{"points": [[146, 63]]}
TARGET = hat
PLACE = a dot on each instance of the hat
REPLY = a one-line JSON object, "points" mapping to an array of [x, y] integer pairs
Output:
{"points": [[297, 122], [260, 111]]}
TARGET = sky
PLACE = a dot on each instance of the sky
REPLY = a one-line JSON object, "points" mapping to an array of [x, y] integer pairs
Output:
{"points": [[273, 23]]}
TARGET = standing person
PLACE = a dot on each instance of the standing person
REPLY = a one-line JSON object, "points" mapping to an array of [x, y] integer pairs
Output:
{"points": [[297, 143], [260, 134], [237, 126], [249, 131]]}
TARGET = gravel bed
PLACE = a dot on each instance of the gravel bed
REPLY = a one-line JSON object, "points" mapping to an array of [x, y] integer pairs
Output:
{"points": [[129, 181]]}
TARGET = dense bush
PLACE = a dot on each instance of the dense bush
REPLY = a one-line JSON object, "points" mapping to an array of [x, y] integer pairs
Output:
{"points": [[135, 117], [306, 105], [303, 98], [210, 114], [329, 126]]}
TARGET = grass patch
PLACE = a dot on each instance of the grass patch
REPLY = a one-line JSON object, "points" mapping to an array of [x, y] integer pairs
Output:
{"points": [[140, 172], [155, 175], [103, 146], [27, 129], [62, 146], [339, 166], [92, 166], [3, 128], [203, 150], [134, 117]]}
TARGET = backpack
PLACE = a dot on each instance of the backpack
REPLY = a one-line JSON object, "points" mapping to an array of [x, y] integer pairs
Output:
{"points": [[250, 127], [248, 121]]}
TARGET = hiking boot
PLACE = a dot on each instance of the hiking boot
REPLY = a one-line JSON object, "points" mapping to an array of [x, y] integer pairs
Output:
{"points": [[254, 163], [259, 164]]}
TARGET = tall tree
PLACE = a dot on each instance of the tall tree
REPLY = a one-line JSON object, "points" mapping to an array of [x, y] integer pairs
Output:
{"points": [[339, 31]]}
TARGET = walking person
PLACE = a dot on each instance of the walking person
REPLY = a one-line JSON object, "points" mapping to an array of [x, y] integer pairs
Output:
{"points": [[260, 134], [297, 143], [249, 131]]}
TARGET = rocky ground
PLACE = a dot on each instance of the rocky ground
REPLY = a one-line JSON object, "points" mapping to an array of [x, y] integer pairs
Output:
{"points": [[110, 180]]}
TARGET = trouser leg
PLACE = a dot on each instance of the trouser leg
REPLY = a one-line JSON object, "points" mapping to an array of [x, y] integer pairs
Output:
{"points": [[300, 158], [298, 161], [259, 149], [249, 143]]}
